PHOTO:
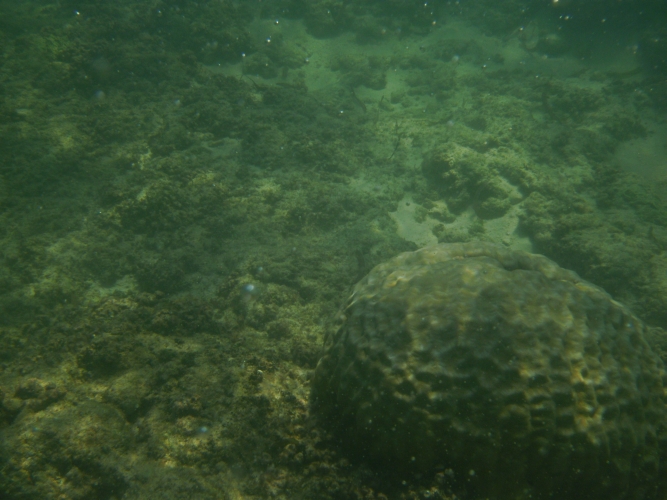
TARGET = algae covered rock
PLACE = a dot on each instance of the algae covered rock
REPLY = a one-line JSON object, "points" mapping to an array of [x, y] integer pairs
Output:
{"points": [[468, 177], [513, 375]]}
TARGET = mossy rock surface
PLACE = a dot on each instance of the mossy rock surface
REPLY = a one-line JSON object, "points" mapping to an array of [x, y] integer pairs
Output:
{"points": [[470, 178]]}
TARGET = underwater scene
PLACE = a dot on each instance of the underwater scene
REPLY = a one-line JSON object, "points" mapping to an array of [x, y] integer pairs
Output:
{"points": [[333, 249]]}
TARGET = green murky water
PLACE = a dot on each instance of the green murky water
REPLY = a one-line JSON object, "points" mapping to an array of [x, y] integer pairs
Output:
{"points": [[190, 190]]}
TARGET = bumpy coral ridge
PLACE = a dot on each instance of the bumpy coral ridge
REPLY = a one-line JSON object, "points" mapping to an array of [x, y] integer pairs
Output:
{"points": [[516, 375]]}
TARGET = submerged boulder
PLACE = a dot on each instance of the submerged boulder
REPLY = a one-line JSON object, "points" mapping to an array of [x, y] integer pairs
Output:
{"points": [[517, 377]]}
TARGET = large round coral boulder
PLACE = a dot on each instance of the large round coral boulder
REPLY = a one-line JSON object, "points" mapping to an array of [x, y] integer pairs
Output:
{"points": [[516, 377]]}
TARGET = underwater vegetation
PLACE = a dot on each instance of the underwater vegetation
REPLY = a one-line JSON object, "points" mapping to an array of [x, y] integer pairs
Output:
{"points": [[189, 191]]}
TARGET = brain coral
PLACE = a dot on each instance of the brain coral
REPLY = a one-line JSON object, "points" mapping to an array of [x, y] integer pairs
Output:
{"points": [[521, 378]]}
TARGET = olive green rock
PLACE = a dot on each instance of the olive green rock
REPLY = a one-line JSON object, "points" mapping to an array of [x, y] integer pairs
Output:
{"points": [[512, 376]]}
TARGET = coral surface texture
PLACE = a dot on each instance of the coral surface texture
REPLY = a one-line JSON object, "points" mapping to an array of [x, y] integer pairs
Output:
{"points": [[502, 370]]}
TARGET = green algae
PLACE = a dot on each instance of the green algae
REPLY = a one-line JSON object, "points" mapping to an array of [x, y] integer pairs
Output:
{"points": [[151, 171]]}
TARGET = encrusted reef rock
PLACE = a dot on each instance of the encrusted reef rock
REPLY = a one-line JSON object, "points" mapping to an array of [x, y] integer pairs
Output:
{"points": [[468, 177], [515, 376]]}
